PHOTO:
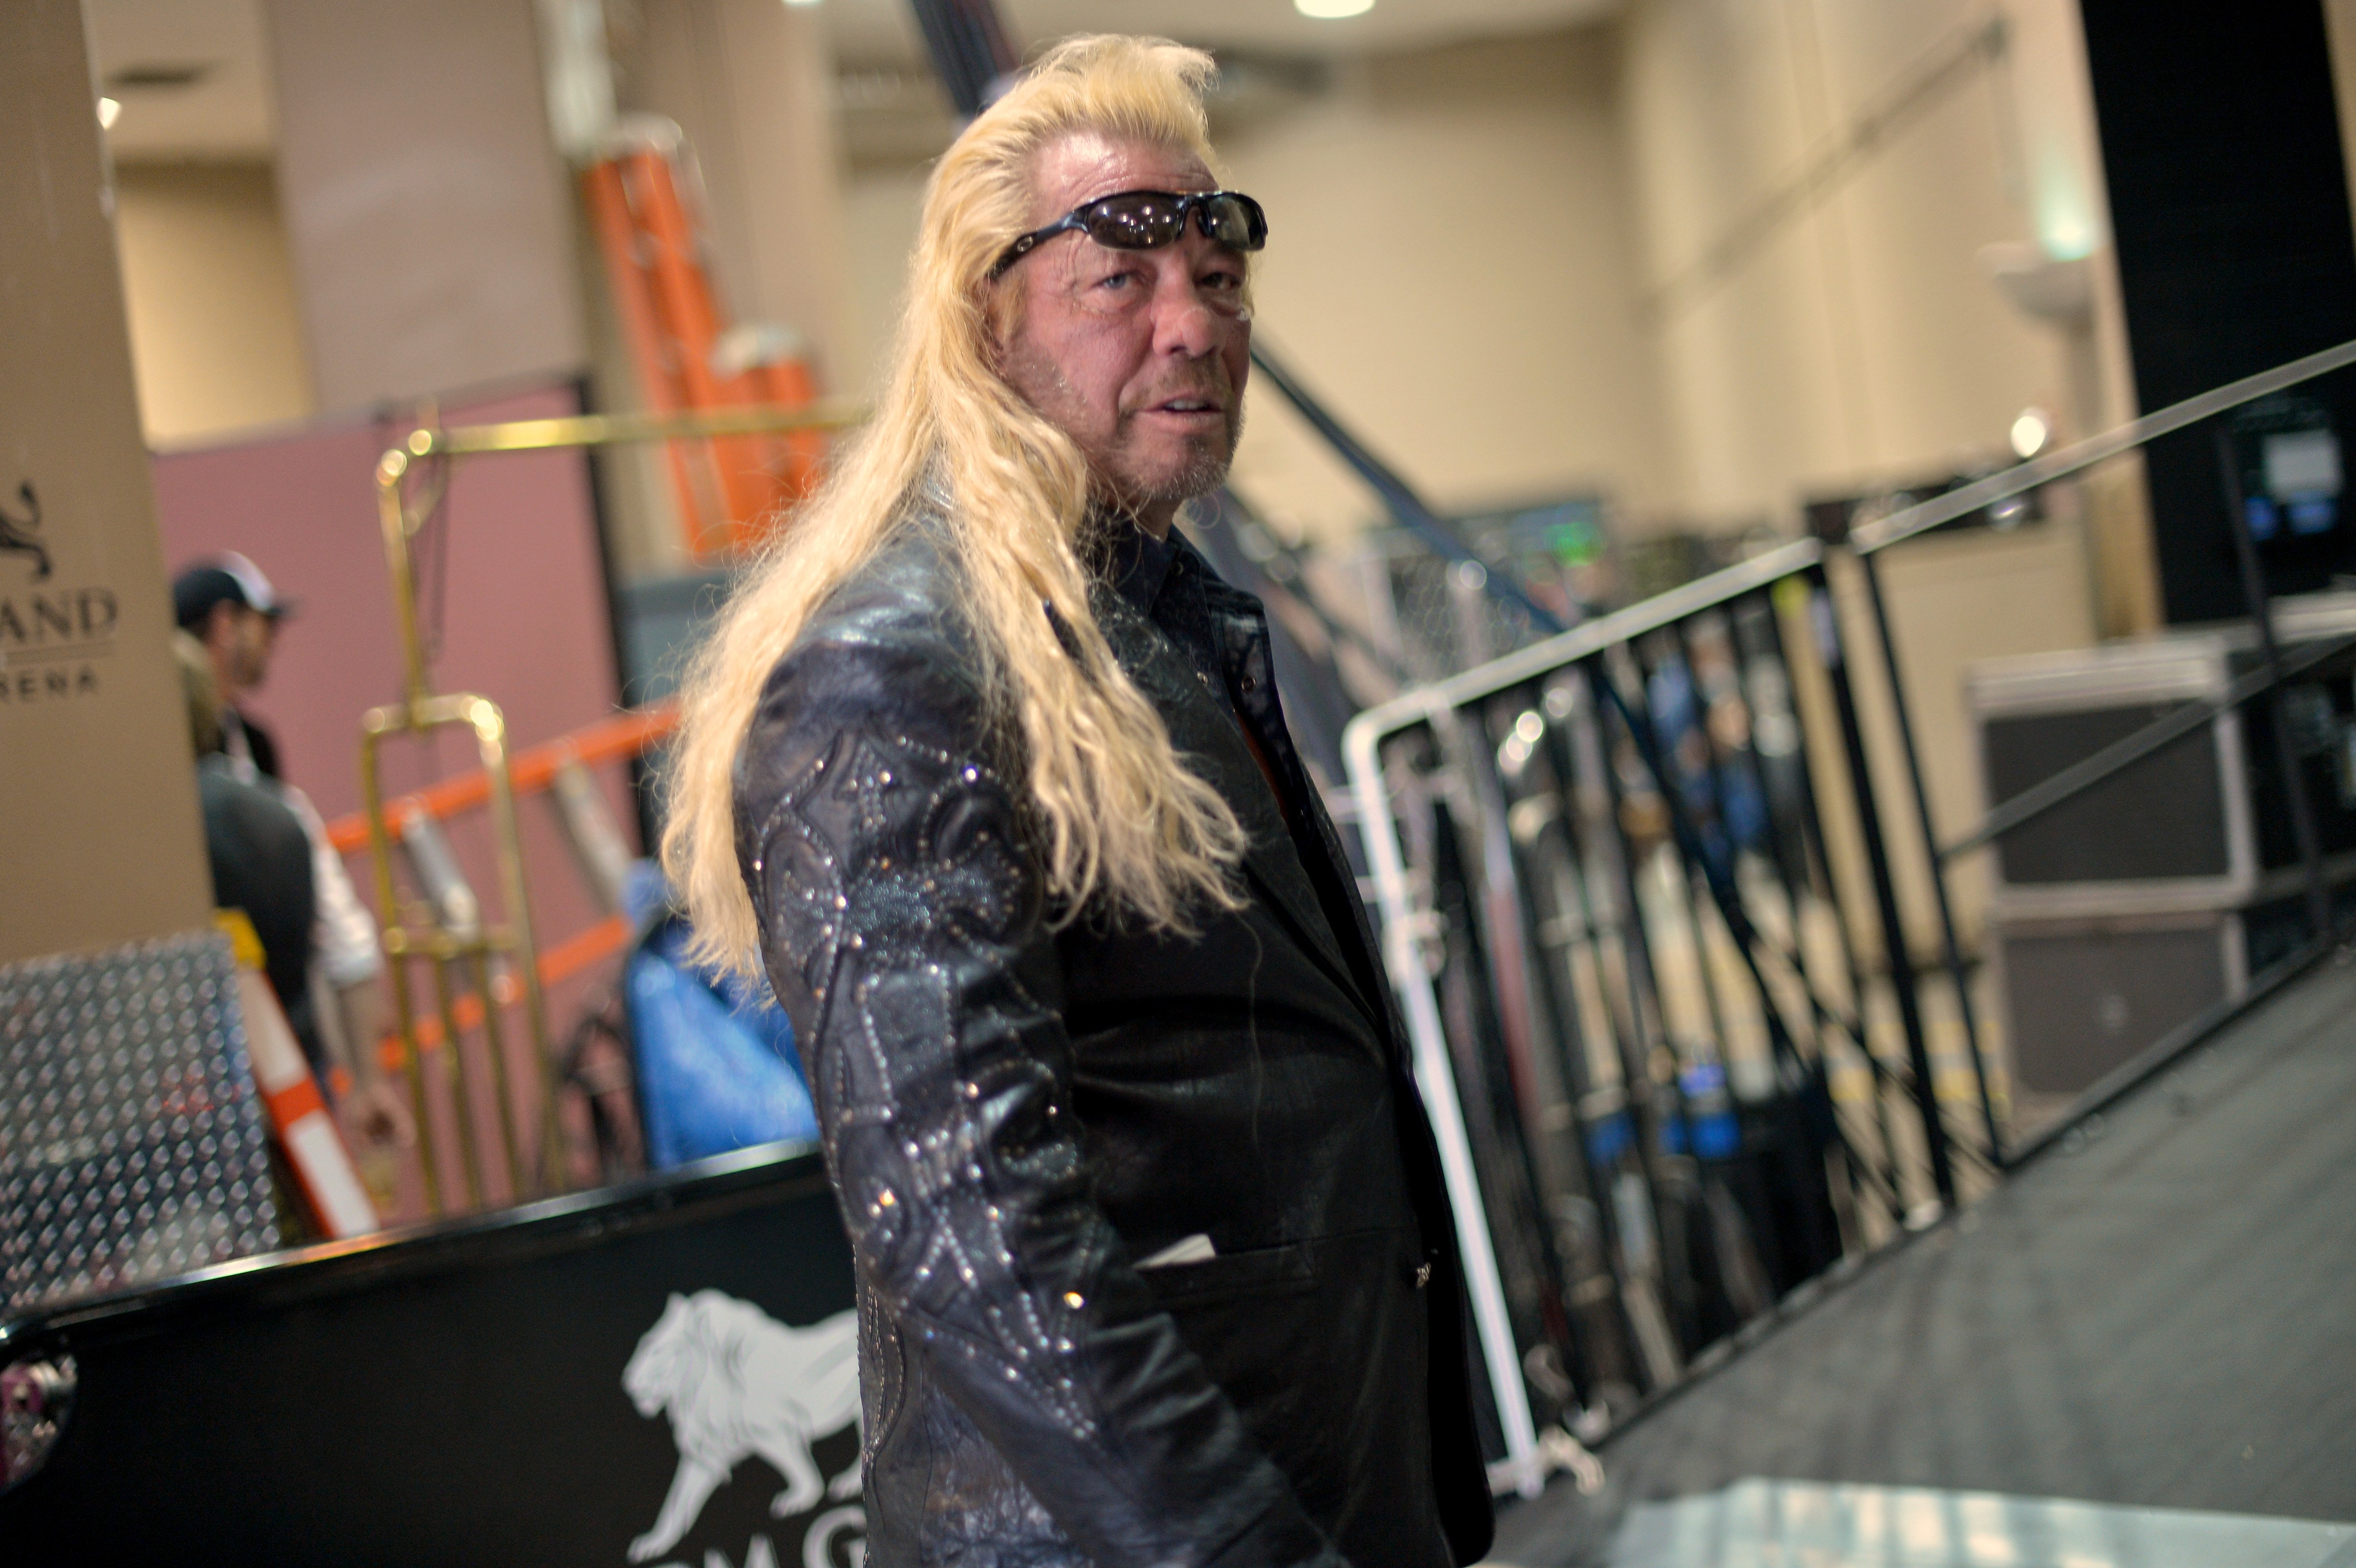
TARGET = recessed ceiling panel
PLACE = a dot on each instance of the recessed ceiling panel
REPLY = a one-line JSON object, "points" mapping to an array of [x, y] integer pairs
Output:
{"points": [[192, 75], [876, 30]]}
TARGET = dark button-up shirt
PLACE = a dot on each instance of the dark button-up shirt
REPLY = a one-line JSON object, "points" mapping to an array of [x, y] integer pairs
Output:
{"points": [[1157, 576]]}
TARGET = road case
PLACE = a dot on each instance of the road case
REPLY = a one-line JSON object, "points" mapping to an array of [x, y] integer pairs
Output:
{"points": [[2124, 911]]}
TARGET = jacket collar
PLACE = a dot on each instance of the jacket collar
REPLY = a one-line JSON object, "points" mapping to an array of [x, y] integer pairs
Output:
{"points": [[1202, 731], [1137, 564]]}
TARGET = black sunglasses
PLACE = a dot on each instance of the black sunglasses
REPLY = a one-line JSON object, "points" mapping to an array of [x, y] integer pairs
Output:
{"points": [[1149, 220]]}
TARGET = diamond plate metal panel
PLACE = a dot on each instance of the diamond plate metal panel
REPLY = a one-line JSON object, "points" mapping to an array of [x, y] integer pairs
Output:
{"points": [[132, 1142]]}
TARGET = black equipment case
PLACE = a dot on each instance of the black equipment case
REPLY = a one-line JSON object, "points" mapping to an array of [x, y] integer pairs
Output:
{"points": [[455, 1393]]}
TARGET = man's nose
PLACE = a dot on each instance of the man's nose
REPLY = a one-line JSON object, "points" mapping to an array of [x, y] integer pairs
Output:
{"points": [[1182, 322]]}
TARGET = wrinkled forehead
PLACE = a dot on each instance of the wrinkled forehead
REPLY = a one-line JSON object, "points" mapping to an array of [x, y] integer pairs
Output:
{"points": [[1079, 167]]}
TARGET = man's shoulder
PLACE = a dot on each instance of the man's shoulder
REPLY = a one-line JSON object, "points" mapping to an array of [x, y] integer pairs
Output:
{"points": [[247, 818], [900, 607], [889, 651], [260, 745], [906, 592]]}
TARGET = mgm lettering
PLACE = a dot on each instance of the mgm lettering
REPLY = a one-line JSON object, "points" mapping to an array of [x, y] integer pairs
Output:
{"points": [[47, 641]]}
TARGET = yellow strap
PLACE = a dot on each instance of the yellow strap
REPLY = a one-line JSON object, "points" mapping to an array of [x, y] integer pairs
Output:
{"points": [[242, 942]]}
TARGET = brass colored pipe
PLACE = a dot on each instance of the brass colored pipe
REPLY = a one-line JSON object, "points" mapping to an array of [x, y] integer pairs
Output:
{"points": [[491, 730], [393, 518], [494, 1048], [375, 725], [454, 1069], [615, 429], [437, 946], [399, 517]]}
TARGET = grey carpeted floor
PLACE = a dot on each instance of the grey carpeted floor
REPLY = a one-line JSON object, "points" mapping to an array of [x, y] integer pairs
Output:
{"points": [[2159, 1312]]}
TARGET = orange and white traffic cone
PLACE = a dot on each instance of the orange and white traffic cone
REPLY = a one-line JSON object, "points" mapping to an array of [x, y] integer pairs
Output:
{"points": [[299, 1118]]}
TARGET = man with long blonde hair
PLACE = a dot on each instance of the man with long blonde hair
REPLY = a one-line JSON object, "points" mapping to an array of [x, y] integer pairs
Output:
{"points": [[986, 768]]}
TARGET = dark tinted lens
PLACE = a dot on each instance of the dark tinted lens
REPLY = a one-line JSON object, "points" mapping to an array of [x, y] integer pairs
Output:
{"points": [[1235, 221], [1134, 222]]}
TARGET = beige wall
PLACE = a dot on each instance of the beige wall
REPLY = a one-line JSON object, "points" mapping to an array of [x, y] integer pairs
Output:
{"points": [[1849, 330], [880, 207], [100, 841], [749, 82], [215, 331], [427, 214], [1552, 335], [1491, 353]]}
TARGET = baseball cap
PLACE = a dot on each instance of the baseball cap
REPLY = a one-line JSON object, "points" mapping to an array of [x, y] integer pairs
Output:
{"points": [[228, 577]]}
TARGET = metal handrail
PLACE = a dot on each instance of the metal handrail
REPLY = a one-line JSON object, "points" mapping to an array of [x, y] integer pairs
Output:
{"points": [[1411, 510], [1447, 709], [1438, 704], [617, 430], [1590, 637], [1434, 702], [1433, 1073], [1867, 539], [1404, 932]]}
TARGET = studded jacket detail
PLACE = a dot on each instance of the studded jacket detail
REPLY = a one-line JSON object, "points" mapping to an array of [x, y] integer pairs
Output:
{"points": [[1015, 1109]]}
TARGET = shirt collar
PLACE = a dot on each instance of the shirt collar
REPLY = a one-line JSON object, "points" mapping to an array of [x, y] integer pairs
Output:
{"points": [[1140, 564]]}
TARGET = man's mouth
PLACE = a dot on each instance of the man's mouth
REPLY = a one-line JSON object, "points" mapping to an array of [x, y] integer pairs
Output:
{"points": [[1196, 407]]}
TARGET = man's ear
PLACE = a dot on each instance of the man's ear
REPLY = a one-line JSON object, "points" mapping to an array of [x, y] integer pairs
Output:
{"points": [[221, 623], [1001, 319]]}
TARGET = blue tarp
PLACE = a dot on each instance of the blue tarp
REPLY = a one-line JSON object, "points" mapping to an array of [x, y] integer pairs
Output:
{"points": [[717, 1069]]}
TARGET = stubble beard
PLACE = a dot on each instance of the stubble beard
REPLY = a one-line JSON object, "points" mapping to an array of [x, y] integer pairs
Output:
{"points": [[1044, 384], [1203, 470]]}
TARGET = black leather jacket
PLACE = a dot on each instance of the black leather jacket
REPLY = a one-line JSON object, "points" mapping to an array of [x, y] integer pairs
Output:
{"points": [[1017, 1110]]}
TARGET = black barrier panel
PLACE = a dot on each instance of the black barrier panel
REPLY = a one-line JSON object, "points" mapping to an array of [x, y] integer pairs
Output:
{"points": [[457, 1395]]}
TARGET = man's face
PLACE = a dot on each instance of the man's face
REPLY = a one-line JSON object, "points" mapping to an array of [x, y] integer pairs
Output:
{"points": [[240, 637], [1138, 356]]}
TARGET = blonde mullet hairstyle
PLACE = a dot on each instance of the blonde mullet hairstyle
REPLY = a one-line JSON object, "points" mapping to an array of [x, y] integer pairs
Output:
{"points": [[1116, 813]]}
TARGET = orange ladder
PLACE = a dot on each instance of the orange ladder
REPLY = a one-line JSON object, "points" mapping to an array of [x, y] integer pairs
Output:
{"points": [[730, 490]]}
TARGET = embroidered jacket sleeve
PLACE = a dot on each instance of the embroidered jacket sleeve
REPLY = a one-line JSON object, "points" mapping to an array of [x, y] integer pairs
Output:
{"points": [[901, 911]]}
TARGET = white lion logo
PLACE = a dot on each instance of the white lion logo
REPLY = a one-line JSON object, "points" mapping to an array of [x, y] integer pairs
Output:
{"points": [[736, 1382]]}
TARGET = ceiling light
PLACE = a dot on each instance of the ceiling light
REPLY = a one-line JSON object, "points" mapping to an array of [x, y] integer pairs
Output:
{"points": [[109, 112], [1332, 10], [798, 3]]}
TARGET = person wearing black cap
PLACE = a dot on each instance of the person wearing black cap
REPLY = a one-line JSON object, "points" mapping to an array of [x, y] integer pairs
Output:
{"points": [[227, 605], [260, 854], [230, 608]]}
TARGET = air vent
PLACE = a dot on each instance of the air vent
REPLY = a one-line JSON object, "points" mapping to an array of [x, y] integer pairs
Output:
{"points": [[144, 78]]}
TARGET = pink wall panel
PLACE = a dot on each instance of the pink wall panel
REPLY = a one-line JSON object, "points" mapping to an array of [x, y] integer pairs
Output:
{"points": [[523, 615], [522, 618]]}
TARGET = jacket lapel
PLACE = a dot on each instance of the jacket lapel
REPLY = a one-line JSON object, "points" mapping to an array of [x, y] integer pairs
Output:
{"points": [[1201, 730]]}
